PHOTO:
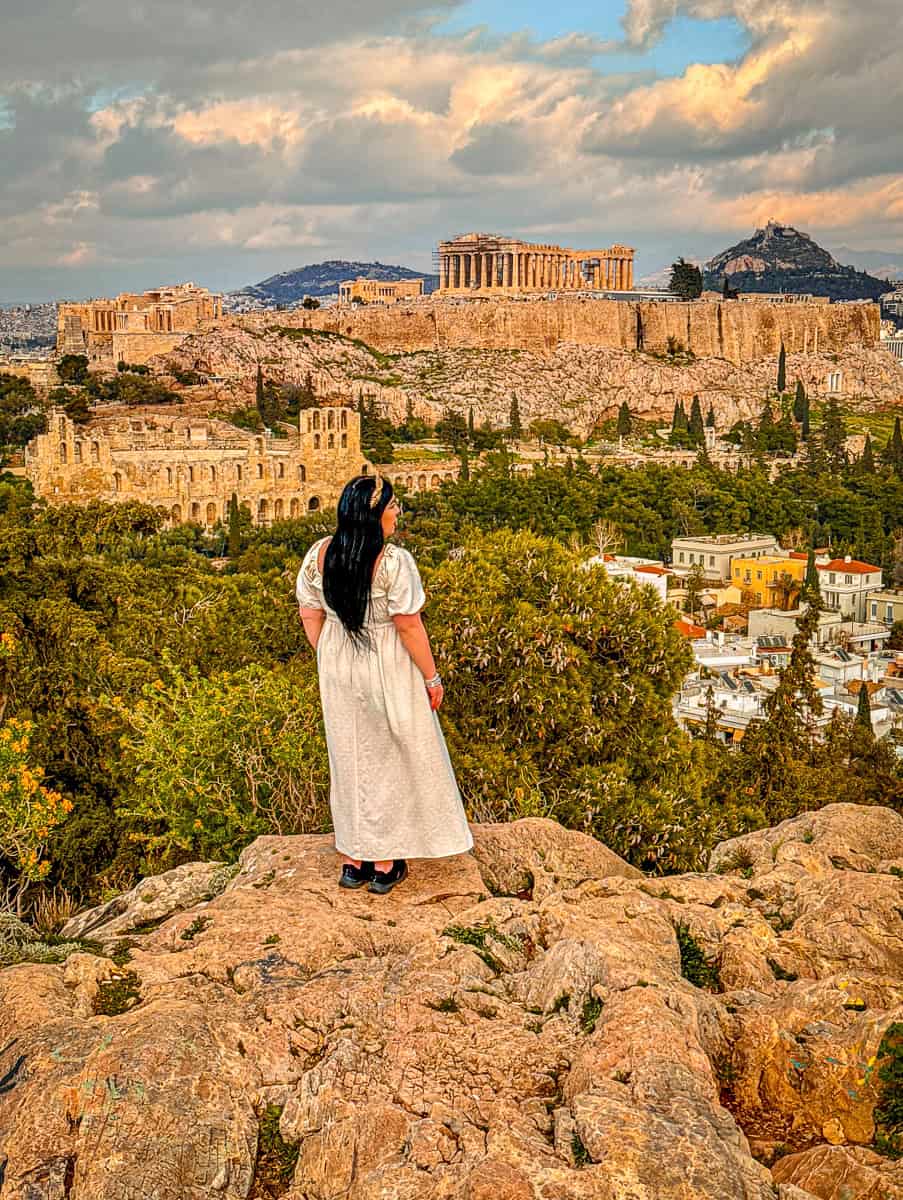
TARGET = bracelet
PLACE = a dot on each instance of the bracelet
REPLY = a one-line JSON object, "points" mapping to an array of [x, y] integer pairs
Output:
{"points": [[434, 682]]}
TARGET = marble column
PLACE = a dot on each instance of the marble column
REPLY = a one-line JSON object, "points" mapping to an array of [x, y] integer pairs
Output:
{"points": [[506, 269], [443, 272], [484, 270], [630, 274], [472, 273]]}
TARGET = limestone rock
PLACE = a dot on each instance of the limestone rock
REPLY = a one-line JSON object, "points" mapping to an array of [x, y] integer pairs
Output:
{"points": [[150, 902], [842, 1173], [447, 1043]]}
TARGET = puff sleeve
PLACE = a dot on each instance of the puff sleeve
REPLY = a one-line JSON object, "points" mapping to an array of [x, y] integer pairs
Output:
{"points": [[406, 594], [309, 588]]}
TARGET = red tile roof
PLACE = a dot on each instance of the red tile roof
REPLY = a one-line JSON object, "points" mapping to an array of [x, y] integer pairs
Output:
{"points": [[688, 629], [653, 569], [853, 567]]}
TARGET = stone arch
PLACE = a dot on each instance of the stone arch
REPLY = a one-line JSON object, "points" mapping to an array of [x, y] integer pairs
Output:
{"points": [[195, 512], [421, 483], [316, 441], [238, 472], [409, 483], [176, 512], [169, 476], [211, 513], [435, 481], [313, 504], [263, 510], [78, 452], [344, 441], [117, 481], [260, 470], [294, 508], [64, 454], [95, 452], [280, 470], [330, 444], [343, 419], [316, 420], [213, 474], [302, 472], [330, 420], [191, 474], [278, 510]]}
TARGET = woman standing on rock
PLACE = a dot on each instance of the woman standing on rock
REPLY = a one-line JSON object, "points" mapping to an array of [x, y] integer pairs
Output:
{"points": [[392, 792]]}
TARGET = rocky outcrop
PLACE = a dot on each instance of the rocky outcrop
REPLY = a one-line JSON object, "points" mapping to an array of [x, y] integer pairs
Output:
{"points": [[580, 385], [532, 1021]]}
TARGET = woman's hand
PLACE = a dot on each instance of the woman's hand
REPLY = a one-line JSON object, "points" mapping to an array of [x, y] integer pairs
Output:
{"points": [[436, 694]]}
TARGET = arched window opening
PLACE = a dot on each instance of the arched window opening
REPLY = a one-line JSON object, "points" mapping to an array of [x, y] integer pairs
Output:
{"points": [[260, 470], [344, 419], [281, 471], [278, 510], [316, 441], [196, 512], [313, 504], [117, 481], [64, 455], [95, 452], [211, 513], [294, 508], [302, 472], [331, 442], [344, 441], [78, 452]]}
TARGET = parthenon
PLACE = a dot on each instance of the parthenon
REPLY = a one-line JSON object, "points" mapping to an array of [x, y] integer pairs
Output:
{"points": [[491, 265]]}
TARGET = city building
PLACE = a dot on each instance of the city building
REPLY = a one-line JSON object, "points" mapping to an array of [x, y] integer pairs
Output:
{"points": [[190, 468], [492, 264], [644, 571], [885, 605], [769, 580], [379, 291], [714, 554], [845, 584], [135, 326]]}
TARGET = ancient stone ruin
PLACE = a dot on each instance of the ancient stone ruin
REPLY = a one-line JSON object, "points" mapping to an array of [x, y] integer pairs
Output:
{"points": [[493, 265]]}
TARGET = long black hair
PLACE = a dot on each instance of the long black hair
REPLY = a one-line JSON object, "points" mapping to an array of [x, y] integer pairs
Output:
{"points": [[353, 551]]}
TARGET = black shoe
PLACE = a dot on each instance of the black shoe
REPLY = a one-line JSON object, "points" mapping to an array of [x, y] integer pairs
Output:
{"points": [[384, 881], [356, 877]]}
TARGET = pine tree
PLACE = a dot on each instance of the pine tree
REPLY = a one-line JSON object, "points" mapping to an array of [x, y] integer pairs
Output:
{"points": [[710, 417], [782, 370], [696, 427], [867, 462], [765, 438], [514, 426], [686, 280], [799, 402], [624, 420], [864, 709], [234, 540]]}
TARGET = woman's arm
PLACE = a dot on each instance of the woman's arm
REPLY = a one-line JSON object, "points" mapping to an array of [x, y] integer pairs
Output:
{"points": [[415, 640], [312, 619]]}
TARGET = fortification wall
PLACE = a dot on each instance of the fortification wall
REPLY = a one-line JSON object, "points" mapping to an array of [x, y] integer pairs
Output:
{"points": [[731, 330], [140, 347]]}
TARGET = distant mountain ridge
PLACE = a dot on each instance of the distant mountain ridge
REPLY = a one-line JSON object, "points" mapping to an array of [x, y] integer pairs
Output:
{"points": [[323, 279], [780, 258]]}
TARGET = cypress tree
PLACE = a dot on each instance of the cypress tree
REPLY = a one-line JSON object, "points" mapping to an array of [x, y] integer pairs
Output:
{"points": [[811, 590], [463, 455], [799, 402], [470, 424], [260, 401], [710, 417], [514, 426], [864, 709], [867, 462], [234, 541], [624, 420], [893, 454], [834, 435], [765, 432], [782, 370], [697, 429]]}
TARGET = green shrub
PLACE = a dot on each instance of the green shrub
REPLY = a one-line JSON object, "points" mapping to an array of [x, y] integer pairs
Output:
{"points": [[694, 966], [889, 1109]]}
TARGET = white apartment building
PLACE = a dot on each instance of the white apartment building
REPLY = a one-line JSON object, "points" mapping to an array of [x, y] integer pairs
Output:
{"points": [[845, 584], [644, 571], [714, 554]]}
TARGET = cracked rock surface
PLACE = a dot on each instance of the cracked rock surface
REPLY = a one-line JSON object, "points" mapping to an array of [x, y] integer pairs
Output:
{"points": [[512, 1024]]}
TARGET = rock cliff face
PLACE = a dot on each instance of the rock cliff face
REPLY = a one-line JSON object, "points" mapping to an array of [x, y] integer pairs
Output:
{"points": [[779, 258], [577, 384], [516, 1024]]}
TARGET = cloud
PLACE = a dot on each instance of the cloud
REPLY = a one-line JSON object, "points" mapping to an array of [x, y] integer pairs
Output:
{"points": [[240, 139]]}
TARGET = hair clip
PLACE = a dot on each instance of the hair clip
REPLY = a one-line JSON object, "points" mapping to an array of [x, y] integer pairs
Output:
{"points": [[377, 490]]}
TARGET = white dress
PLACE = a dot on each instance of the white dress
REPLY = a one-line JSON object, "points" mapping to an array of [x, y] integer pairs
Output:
{"points": [[392, 788]]}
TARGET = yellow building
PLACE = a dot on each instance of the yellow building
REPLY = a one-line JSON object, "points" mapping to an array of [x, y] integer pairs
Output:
{"points": [[379, 291], [772, 581]]}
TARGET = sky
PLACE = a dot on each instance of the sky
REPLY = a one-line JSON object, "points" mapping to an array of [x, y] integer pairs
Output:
{"points": [[225, 140]]}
